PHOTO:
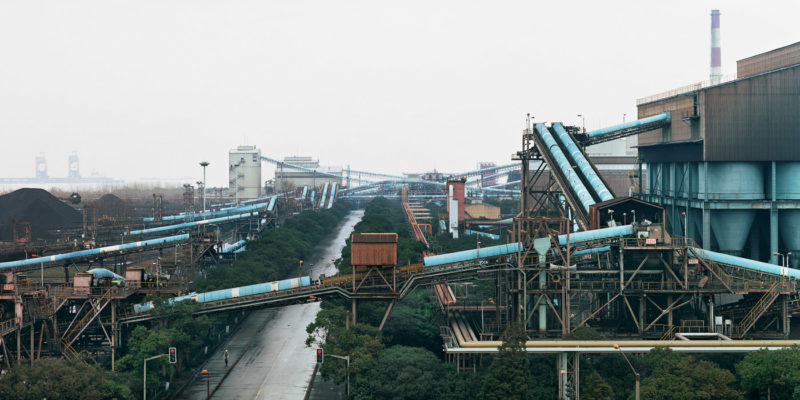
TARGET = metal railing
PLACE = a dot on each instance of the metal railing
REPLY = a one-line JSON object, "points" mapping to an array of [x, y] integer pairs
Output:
{"points": [[685, 89]]}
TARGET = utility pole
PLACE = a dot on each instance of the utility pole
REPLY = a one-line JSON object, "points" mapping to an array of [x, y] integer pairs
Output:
{"points": [[204, 164], [346, 358], [144, 381]]}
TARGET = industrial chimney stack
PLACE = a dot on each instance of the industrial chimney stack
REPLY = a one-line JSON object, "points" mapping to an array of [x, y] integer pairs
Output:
{"points": [[716, 50]]}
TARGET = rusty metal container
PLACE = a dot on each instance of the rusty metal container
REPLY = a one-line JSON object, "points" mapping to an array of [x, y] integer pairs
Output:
{"points": [[373, 249]]}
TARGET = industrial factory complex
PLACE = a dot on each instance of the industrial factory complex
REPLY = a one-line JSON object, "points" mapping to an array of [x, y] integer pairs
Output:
{"points": [[690, 239]]}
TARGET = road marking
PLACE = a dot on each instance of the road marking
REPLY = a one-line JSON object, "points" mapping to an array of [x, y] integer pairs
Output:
{"points": [[261, 387]]}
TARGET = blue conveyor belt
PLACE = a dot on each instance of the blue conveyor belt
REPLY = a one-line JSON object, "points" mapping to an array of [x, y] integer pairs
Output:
{"points": [[584, 165]]}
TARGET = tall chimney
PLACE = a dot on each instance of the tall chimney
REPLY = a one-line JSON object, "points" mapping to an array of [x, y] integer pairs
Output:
{"points": [[716, 50]]}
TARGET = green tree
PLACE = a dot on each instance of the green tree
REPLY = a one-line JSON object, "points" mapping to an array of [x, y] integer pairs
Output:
{"points": [[685, 378], [363, 343], [403, 372], [509, 374], [776, 372], [597, 388], [59, 379]]}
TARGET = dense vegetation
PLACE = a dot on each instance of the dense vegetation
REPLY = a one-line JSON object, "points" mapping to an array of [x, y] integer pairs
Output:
{"points": [[275, 254]]}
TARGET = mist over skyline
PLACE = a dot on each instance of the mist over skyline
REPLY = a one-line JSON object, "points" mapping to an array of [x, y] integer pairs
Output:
{"points": [[144, 89]]}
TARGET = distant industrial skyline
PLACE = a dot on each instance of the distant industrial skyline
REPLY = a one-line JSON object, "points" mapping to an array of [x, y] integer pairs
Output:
{"points": [[150, 89]]}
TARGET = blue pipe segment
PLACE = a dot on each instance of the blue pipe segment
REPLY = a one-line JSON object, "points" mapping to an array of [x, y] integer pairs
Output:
{"points": [[597, 234], [468, 255], [271, 205], [649, 120], [333, 195], [492, 236], [746, 263], [571, 175], [583, 164], [190, 224], [225, 294], [224, 211], [97, 251], [313, 195], [593, 250], [227, 248], [104, 273], [305, 193], [324, 195]]}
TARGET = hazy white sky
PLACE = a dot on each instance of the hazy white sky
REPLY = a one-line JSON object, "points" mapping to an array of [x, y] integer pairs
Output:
{"points": [[146, 88]]}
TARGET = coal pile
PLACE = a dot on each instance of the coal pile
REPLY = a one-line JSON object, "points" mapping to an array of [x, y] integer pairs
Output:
{"points": [[111, 206], [43, 210]]}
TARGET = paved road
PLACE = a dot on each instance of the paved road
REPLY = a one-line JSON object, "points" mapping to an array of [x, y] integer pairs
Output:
{"points": [[271, 360]]}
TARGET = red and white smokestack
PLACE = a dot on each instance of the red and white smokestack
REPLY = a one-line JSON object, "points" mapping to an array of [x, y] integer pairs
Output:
{"points": [[716, 49]]}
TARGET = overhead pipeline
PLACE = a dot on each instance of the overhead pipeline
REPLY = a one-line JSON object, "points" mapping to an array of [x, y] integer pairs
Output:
{"points": [[746, 263], [583, 164], [563, 163], [333, 195], [627, 125], [190, 224], [91, 252]]}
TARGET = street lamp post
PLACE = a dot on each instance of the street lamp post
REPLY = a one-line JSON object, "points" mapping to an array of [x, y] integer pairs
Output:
{"points": [[208, 383], [616, 346], [300, 269], [346, 358], [784, 260], [144, 381], [204, 164]]}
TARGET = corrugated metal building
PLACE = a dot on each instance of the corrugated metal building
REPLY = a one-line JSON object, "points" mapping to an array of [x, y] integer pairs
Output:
{"points": [[373, 250], [731, 157]]}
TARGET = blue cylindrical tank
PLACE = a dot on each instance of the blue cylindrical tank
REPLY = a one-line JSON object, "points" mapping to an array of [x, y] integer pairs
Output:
{"points": [[735, 181]]}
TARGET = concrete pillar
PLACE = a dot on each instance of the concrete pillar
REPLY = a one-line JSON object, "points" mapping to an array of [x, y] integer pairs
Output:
{"points": [[542, 303], [706, 226], [755, 254], [773, 219], [669, 313], [703, 181]]}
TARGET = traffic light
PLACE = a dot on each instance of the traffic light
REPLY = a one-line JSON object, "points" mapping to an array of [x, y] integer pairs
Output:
{"points": [[173, 355], [320, 356]]}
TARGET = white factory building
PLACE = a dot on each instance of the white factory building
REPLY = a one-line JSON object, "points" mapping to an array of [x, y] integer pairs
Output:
{"points": [[244, 172]]}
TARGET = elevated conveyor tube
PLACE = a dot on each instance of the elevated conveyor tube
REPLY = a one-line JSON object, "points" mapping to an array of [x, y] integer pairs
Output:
{"points": [[224, 211], [627, 125], [597, 234], [746, 263], [585, 166], [505, 249], [333, 195], [104, 273], [324, 195], [305, 193], [91, 252], [564, 165], [228, 248], [190, 224], [467, 255], [271, 205]]}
